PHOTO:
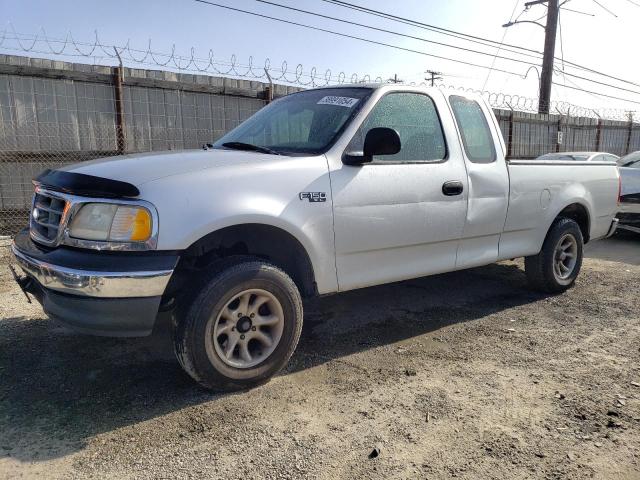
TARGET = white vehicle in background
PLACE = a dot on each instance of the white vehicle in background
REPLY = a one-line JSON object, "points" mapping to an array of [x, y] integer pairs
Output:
{"points": [[629, 159], [321, 191], [629, 211], [580, 157]]}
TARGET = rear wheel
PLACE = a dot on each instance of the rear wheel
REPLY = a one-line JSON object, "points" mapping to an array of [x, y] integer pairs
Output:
{"points": [[558, 264], [242, 327]]}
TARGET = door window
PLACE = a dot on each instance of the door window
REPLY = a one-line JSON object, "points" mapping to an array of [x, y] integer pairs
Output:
{"points": [[415, 118], [474, 130]]}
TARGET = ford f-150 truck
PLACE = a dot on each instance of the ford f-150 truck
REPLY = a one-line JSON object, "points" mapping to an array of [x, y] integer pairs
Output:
{"points": [[321, 191]]}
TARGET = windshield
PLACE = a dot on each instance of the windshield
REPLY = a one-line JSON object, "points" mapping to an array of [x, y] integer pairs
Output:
{"points": [[303, 123], [627, 160], [564, 156]]}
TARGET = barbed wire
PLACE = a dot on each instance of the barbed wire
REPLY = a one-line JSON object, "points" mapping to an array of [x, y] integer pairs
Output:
{"points": [[530, 104], [96, 49], [42, 43]]}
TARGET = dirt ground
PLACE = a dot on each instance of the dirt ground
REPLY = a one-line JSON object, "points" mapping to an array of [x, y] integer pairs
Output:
{"points": [[467, 375]]}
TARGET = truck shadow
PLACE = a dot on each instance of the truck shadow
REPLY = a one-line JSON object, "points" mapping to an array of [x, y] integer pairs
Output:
{"points": [[59, 389], [623, 247]]}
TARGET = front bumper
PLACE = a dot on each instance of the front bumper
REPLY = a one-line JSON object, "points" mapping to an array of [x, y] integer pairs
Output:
{"points": [[87, 283], [101, 293]]}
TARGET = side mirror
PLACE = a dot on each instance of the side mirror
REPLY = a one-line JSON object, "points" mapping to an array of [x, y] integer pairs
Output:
{"points": [[379, 141]]}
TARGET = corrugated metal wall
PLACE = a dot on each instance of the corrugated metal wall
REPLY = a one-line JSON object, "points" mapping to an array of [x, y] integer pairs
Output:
{"points": [[47, 120], [54, 113]]}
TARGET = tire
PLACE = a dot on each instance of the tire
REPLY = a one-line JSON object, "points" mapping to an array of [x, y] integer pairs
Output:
{"points": [[543, 270], [205, 332]]}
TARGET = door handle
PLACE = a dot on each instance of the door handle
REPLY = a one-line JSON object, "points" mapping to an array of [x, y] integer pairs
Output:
{"points": [[453, 187]]}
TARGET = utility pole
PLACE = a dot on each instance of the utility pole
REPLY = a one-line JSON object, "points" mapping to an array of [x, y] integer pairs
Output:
{"points": [[550, 29], [395, 79], [434, 76], [546, 77]]}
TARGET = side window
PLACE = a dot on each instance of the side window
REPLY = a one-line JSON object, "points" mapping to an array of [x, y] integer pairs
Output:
{"points": [[415, 118], [474, 130]]}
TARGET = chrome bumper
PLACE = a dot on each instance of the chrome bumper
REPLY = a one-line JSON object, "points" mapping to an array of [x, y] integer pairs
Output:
{"points": [[94, 284]]}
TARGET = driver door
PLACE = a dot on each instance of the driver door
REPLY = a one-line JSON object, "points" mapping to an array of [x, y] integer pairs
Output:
{"points": [[395, 218]]}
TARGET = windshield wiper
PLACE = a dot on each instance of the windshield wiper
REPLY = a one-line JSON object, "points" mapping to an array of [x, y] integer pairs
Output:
{"points": [[250, 147]]}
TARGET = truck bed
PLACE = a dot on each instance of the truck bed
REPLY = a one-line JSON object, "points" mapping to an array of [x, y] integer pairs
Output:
{"points": [[541, 189]]}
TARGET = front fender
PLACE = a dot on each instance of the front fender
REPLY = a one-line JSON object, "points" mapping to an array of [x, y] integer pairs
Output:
{"points": [[194, 205]]}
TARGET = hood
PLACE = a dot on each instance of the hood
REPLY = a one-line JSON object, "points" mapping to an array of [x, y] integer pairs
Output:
{"points": [[138, 169]]}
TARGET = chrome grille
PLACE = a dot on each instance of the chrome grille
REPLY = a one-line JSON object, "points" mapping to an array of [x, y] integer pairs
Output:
{"points": [[46, 217]]}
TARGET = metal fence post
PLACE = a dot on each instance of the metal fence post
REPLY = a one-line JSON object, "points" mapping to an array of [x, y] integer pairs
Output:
{"points": [[510, 134], [599, 133], [269, 89], [629, 134], [118, 81], [559, 132]]}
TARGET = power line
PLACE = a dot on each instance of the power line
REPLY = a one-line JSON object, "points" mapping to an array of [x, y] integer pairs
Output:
{"points": [[604, 8], [441, 30], [396, 33], [354, 37], [504, 35], [600, 83], [350, 22], [578, 11], [403, 20], [342, 3], [383, 43], [445, 31], [596, 93], [578, 86]]}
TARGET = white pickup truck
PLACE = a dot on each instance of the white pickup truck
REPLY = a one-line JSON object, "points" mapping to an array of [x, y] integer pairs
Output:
{"points": [[321, 191]]}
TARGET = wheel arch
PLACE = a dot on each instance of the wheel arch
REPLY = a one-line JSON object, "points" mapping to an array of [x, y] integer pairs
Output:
{"points": [[261, 240], [579, 213]]}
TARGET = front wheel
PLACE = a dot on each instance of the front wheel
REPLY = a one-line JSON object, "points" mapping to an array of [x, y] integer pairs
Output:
{"points": [[242, 327], [556, 267]]}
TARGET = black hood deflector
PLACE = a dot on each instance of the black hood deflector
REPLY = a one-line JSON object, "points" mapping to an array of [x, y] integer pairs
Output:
{"points": [[85, 185]]}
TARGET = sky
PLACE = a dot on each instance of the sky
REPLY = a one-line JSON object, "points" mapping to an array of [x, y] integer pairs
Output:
{"points": [[601, 38]]}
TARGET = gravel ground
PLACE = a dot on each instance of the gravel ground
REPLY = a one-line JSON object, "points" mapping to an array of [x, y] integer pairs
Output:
{"points": [[466, 375]]}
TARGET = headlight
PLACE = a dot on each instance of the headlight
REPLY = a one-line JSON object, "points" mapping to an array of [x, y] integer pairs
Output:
{"points": [[112, 223]]}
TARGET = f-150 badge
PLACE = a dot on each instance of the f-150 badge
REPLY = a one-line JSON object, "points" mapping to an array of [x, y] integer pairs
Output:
{"points": [[313, 197]]}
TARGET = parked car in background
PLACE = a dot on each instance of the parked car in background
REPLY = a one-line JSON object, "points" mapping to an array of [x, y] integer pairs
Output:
{"points": [[629, 159], [629, 214], [580, 156]]}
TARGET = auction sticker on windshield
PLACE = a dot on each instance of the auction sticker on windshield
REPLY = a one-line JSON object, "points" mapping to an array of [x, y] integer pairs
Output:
{"points": [[338, 101]]}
